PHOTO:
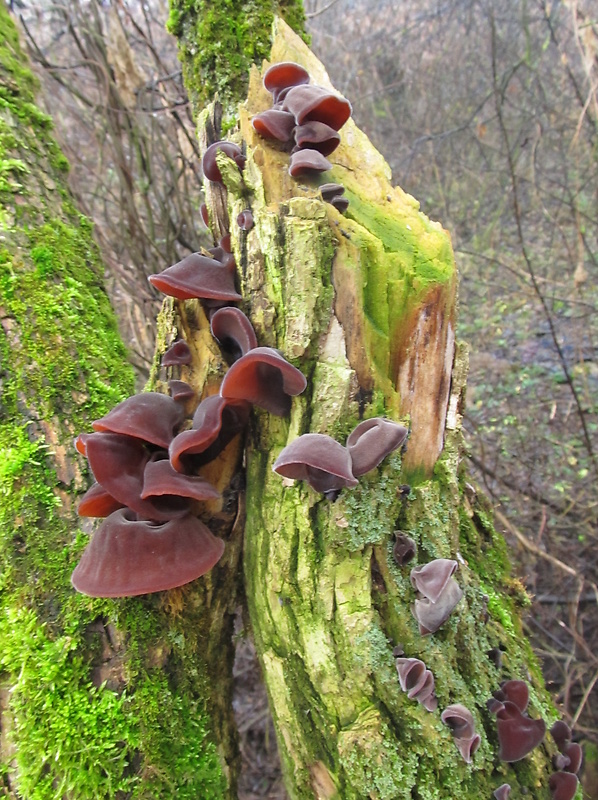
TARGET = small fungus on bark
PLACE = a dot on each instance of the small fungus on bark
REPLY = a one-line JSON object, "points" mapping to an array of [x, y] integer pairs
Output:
{"points": [[440, 591], [180, 391], [503, 792], [283, 76], [563, 785], [274, 124], [307, 161], [309, 102], [460, 721], [215, 423], [516, 692], [518, 735], [177, 355], [316, 136], [404, 549], [210, 167], [199, 276], [371, 441], [266, 379], [319, 460], [245, 220], [233, 331], [129, 556], [417, 681], [150, 416]]}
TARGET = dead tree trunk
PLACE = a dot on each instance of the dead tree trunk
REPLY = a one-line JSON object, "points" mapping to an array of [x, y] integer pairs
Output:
{"points": [[364, 304]]}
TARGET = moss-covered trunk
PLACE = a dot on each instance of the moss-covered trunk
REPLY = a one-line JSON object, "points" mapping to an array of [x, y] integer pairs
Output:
{"points": [[364, 304], [99, 699]]}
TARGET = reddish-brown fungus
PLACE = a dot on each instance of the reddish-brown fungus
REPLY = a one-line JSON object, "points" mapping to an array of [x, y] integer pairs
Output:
{"points": [[283, 75], [468, 747], [215, 423], [233, 331], [129, 557], [274, 124], [563, 785], [180, 391], [561, 733], [307, 161], [432, 579], [245, 220], [118, 464], [431, 616], [318, 460], [178, 354], [317, 136], [97, 502], [460, 720], [210, 167], [203, 211], [404, 549], [417, 681], [159, 478], [198, 276], [371, 441], [518, 735], [516, 692], [309, 102], [150, 416], [264, 377]]}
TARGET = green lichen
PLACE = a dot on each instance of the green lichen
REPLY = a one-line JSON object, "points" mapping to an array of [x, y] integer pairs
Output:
{"points": [[219, 41]]}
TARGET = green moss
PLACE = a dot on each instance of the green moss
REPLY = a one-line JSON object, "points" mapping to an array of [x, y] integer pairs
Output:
{"points": [[219, 41], [66, 732]]}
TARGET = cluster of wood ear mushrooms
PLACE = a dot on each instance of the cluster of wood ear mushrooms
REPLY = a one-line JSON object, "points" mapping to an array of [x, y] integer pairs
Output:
{"points": [[306, 119], [146, 462]]}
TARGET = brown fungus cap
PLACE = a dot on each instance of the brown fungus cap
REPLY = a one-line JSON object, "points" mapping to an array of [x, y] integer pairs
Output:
{"points": [[118, 464], [233, 331], [516, 692], [128, 557], [317, 136], [266, 379], [517, 733], [180, 391], [96, 502], [417, 681], [404, 549], [199, 276], [318, 460], [372, 440], [431, 616], [177, 355], [284, 75], [308, 103], [460, 720], [305, 162], [159, 479], [245, 220], [215, 423], [150, 416], [503, 792], [563, 785], [210, 167], [274, 124], [431, 579]]}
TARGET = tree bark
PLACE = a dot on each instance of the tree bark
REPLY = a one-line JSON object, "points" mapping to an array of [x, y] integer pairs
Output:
{"points": [[364, 303], [98, 698]]}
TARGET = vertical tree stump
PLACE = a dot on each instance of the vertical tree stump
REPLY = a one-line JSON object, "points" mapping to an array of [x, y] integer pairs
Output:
{"points": [[364, 304]]}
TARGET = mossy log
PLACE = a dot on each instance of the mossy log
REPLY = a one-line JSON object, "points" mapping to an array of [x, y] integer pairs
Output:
{"points": [[364, 304], [99, 699]]}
